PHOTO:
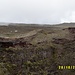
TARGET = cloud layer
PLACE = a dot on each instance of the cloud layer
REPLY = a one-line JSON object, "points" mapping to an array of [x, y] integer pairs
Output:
{"points": [[37, 11]]}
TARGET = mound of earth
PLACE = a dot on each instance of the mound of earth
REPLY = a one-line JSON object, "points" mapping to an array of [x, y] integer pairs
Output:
{"points": [[38, 51]]}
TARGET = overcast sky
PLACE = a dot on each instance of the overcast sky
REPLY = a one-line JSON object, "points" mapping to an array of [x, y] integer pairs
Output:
{"points": [[37, 11]]}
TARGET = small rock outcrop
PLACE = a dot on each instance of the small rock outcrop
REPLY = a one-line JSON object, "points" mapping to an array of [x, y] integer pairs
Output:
{"points": [[6, 43]]}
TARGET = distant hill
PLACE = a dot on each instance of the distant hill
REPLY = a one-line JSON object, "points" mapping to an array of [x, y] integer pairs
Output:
{"points": [[2, 23], [44, 25]]}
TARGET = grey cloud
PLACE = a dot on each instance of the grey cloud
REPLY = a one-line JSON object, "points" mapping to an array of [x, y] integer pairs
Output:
{"points": [[37, 11]]}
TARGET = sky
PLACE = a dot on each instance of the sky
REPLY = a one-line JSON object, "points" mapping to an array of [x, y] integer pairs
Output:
{"points": [[37, 11]]}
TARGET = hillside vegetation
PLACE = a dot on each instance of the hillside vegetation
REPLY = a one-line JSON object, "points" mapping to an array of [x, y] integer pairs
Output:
{"points": [[36, 50]]}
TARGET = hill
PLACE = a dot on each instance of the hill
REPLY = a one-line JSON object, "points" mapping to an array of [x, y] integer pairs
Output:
{"points": [[37, 50]]}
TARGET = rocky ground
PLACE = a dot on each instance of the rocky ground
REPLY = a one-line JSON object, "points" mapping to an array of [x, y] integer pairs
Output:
{"points": [[36, 50]]}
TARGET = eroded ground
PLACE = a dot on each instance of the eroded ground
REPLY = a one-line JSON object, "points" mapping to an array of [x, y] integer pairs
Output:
{"points": [[36, 50]]}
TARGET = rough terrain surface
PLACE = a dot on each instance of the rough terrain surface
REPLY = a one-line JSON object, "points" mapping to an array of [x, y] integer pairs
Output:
{"points": [[37, 50]]}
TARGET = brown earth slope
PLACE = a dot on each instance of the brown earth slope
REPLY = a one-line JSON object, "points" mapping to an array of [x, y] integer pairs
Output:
{"points": [[36, 50]]}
